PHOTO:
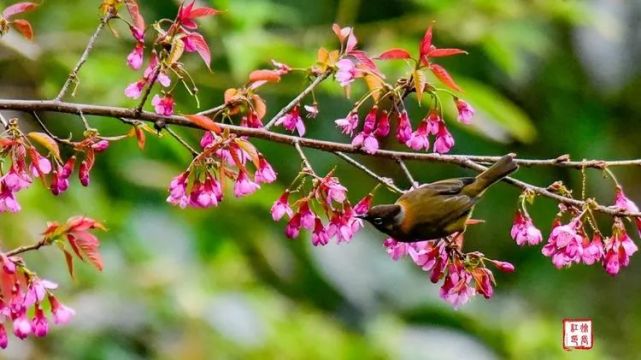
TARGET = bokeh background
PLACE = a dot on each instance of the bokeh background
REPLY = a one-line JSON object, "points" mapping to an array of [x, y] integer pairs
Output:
{"points": [[548, 77]]}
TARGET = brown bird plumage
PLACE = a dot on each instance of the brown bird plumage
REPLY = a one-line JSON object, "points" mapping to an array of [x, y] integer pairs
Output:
{"points": [[437, 209]]}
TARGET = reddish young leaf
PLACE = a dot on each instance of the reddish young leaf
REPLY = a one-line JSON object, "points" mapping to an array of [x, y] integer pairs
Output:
{"points": [[426, 43], [74, 246], [134, 11], [89, 244], [259, 106], [249, 149], [444, 76], [445, 52], [204, 122], [18, 8], [264, 75], [198, 43], [365, 60], [392, 54], [24, 27], [69, 261], [203, 11]]}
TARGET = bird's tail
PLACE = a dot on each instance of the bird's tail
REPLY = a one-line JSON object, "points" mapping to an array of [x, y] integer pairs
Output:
{"points": [[500, 169]]}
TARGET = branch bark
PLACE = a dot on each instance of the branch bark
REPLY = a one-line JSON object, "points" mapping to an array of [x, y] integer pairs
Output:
{"points": [[466, 161]]}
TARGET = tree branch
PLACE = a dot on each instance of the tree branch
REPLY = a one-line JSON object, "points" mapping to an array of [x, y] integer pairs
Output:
{"points": [[23, 249], [73, 75], [467, 161], [407, 173], [385, 181]]}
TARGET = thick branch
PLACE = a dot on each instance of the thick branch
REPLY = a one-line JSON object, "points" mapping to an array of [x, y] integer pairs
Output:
{"points": [[73, 75], [460, 160]]}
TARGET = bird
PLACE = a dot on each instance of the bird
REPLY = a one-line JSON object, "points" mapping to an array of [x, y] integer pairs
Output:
{"points": [[438, 209]]}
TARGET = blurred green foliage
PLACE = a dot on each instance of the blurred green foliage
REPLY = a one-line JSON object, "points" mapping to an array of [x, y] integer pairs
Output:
{"points": [[548, 77]]}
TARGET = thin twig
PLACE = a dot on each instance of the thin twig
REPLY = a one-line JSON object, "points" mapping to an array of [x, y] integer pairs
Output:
{"points": [[22, 249], [306, 163], [48, 132], [181, 141], [213, 110], [84, 121], [385, 181], [295, 101], [468, 161], [145, 95], [73, 75], [408, 174], [4, 121]]}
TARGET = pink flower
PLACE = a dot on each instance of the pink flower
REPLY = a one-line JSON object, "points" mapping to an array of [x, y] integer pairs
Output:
{"points": [[565, 244], [503, 266], [306, 216], [151, 69], [395, 249], [178, 190], [293, 227], [134, 59], [418, 140], [366, 141], [333, 189], [163, 105], [138, 34], [100, 146], [456, 288], [15, 180], [619, 249], [8, 202], [206, 194], [38, 290], [292, 121], [83, 173], [39, 323], [8, 266], [465, 111], [593, 251], [524, 231], [369, 123], [484, 280], [265, 172], [41, 166], [319, 236], [346, 72], [383, 127], [22, 327], [243, 185], [4, 340], [363, 205], [61, 314], [444, 140], [624, 203], [404, 129], [348, 124], [281, 207], [282, 68], [134, 90], [312, 111], [341, 226], [208, 139]]}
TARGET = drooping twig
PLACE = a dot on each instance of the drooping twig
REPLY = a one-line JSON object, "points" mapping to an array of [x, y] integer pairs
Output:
{"points": [[306, 163], [297, 99], [182, 141], [148, 88], [385, 181], [468, 161], [407, 172], [48, 132], [73, 75], [213, 110]]}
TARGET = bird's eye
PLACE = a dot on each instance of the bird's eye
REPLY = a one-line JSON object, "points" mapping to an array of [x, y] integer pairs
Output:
{"points": [[378, 221]]}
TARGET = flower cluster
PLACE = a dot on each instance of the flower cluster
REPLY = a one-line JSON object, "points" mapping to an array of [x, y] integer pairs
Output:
{"points": [[201, 185], [168, 46], [25, 163], [463, 275], [327, 196], [23, 292], [570, 243]]}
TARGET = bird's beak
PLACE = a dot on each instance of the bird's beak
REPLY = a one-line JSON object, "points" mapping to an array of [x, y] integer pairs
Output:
{"points": [[364, 216]]}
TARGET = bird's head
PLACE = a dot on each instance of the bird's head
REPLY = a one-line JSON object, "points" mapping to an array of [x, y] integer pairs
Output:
{"points": [[386, 218]]}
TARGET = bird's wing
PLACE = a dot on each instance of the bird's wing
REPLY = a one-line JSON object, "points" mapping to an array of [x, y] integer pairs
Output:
{"points": [[446, 203]]}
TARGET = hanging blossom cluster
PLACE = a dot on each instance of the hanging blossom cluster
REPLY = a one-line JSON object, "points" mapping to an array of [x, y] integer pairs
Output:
{"points": [[26, 163], [326, 198], [24, 296], [168, 46], [462, 275], [350, 64], [572, 243], [223, 157]]}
